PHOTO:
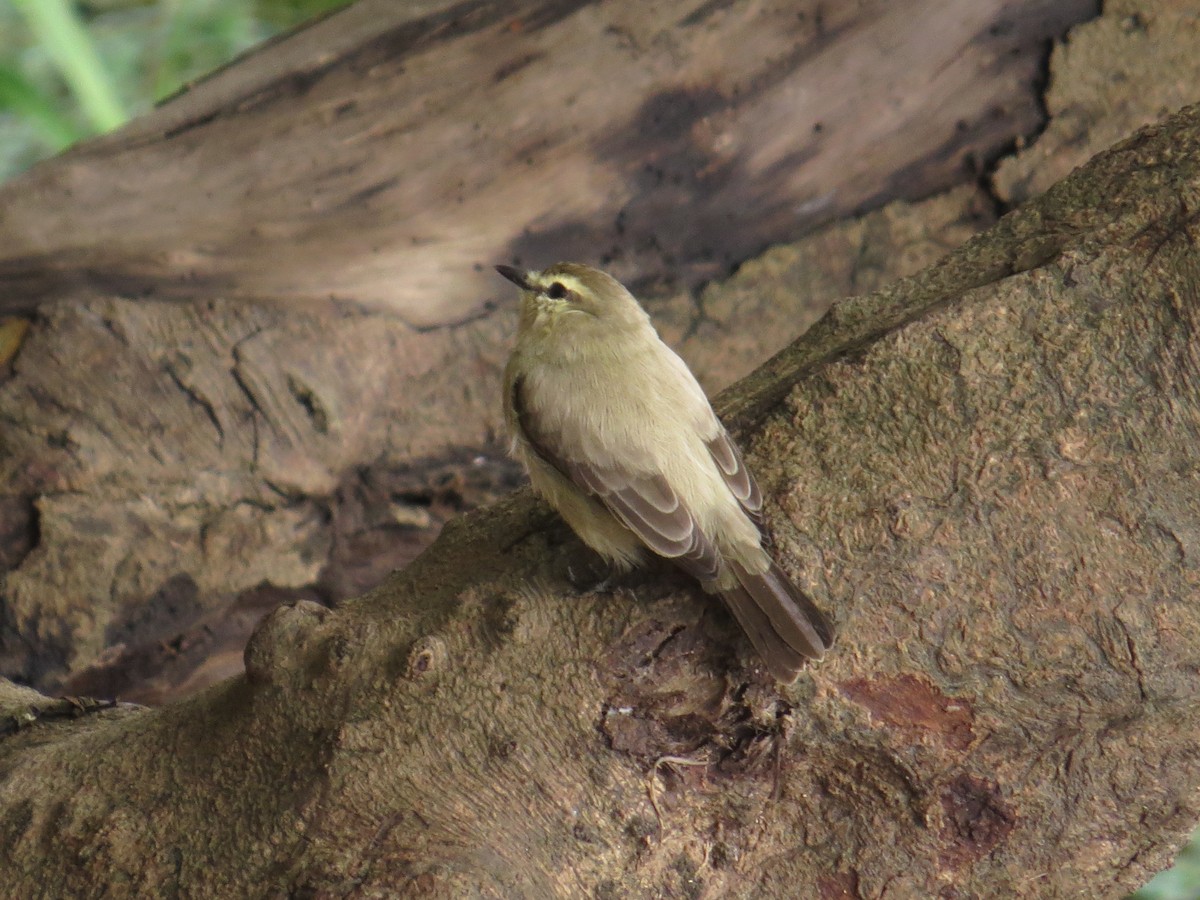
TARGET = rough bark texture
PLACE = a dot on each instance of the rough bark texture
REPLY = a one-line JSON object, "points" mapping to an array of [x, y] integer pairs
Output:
{"points": [[986, 473], [1134, 65], [226, 454]]}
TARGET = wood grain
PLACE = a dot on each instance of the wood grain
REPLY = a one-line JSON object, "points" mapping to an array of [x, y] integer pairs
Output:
{"points": [[388, 155]]}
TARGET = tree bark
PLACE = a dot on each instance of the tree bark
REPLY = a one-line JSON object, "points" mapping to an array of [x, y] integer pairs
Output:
{"points": [[986, 473]]}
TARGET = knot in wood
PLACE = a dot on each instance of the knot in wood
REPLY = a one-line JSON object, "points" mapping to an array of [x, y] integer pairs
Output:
{"points": [[276, 644]]}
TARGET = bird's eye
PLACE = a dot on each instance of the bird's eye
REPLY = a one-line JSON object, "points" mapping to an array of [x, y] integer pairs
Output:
{"points": [[556, 291]]}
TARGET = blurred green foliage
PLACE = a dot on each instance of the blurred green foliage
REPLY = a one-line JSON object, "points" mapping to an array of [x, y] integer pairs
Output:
{"points": [[70, 69], [1182, 882], [73, 68]]}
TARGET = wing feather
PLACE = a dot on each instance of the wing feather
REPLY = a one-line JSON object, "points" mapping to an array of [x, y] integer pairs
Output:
{"points": [[737, 477]]}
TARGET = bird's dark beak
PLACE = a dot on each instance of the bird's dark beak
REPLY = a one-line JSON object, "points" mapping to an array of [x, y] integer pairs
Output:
{"points": [[516, 276]]}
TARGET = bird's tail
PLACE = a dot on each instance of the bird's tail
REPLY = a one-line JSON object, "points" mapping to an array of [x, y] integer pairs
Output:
{"points": [[783, 624]]}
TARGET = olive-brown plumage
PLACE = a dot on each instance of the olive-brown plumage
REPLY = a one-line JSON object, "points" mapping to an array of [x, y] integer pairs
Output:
{"points": [[620, 438]]}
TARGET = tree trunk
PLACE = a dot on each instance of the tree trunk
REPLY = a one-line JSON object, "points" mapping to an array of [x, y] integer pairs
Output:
{"points": [[986, 473]]}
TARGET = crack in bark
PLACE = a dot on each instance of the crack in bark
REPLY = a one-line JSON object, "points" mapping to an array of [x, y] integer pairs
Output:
{"points": [[195, 398]]}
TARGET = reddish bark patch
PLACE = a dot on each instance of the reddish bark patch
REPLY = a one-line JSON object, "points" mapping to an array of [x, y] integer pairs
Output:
{"points": [[976, 820], [914, 705], [838, 886]]}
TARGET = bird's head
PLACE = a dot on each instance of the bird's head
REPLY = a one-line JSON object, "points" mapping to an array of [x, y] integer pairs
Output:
{"points": [[575, 298]]}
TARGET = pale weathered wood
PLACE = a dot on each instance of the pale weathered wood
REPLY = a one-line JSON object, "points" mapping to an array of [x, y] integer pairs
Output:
{"points": [[391, 153]]}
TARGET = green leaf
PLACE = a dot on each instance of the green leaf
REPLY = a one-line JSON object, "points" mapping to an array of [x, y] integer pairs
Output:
{"points": [[57, 26]]}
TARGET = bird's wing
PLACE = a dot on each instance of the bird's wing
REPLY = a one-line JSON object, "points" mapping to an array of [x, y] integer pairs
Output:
{"points": [[645, 503], [737, 477], [721, 448]]}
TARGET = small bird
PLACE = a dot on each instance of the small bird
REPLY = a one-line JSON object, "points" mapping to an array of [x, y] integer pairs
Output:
{"points": [[619, 437]]}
